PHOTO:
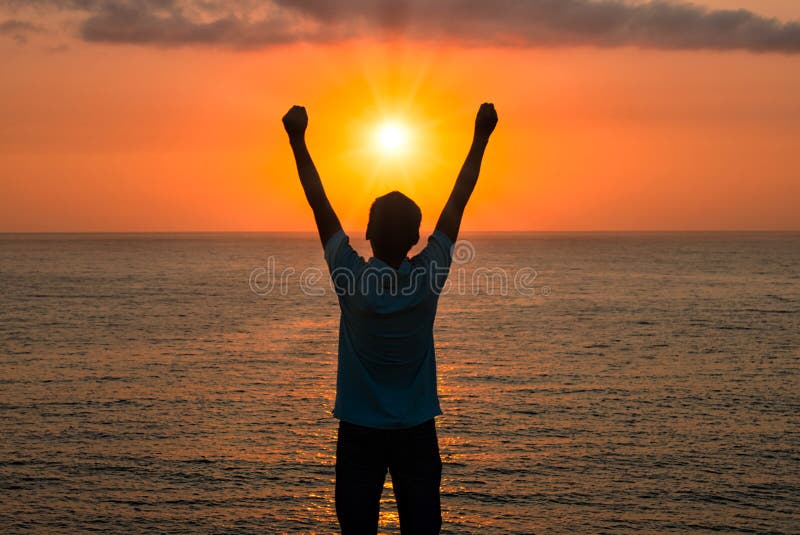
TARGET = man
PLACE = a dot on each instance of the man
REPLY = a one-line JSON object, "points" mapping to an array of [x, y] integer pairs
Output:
{"points": [[386, 396]]}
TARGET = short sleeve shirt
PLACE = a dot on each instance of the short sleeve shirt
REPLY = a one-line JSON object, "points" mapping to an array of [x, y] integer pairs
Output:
{"points": [[386, 365]]}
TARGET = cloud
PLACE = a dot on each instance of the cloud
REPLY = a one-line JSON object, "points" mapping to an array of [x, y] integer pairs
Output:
{"points": [[126, 23], [658, 24], [17, 26], [18, 30]]}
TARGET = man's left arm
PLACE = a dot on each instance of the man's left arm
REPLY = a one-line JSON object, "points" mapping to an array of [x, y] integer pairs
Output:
{"points": [[295, 121]]}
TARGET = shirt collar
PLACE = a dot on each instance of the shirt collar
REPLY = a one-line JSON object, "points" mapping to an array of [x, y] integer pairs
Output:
{"points": [[404, 269]]}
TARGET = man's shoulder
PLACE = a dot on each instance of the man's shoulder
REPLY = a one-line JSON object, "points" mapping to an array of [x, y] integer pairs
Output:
{"points": [[439, 247], [339, 254]]}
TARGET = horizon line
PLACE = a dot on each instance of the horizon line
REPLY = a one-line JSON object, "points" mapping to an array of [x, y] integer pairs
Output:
{"points": [[422, 231]]}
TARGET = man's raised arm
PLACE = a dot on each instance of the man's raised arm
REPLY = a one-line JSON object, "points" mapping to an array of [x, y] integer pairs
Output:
{"points": [[295, 121], [450, 219]]}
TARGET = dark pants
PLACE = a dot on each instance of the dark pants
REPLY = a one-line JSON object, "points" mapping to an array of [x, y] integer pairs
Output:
{"points": [[363, 455]]}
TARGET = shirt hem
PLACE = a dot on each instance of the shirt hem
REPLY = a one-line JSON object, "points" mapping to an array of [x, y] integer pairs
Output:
{"points": [[383, 425]]}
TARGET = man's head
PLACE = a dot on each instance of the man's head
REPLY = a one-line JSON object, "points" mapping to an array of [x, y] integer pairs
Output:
{"points": [[393, 226]]}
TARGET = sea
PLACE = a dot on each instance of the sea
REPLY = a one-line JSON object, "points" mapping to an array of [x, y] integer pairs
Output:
{"points": [[590, 383]]}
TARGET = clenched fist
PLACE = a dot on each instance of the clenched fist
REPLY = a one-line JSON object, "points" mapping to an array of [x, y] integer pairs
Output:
{"points": [[295, 121], [486, 120]]}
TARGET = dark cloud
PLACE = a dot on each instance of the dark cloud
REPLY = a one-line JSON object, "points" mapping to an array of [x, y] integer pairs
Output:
{"points": [[18, 30], [17, 27], [525, 23], [125, 23]]}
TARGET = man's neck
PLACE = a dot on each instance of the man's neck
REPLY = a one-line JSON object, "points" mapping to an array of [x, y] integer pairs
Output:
{"points": [[394, 262]]}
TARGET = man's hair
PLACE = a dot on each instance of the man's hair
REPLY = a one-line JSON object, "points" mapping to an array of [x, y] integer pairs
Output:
{"points": [[393, 226]]}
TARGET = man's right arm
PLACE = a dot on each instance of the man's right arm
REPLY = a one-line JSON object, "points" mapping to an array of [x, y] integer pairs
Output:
{"points": [[450, 218]]}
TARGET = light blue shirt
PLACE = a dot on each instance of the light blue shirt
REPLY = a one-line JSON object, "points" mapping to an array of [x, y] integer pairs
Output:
{"points": [[387, 366]]}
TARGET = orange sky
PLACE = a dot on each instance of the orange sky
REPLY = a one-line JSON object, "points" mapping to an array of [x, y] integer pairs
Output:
{"points": [[114, 137]]}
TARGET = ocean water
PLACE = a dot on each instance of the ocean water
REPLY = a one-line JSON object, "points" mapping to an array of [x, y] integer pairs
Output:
{"points": [[636, 383]]}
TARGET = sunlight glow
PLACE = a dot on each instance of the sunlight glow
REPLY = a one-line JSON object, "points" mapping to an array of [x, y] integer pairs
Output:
{"points": [[391, 138]]}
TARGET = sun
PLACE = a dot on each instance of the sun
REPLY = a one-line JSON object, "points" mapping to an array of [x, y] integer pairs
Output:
{"points": [[392, 138]]}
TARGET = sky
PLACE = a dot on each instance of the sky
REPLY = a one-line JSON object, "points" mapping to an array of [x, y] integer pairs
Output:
{"points": [[164, 115]]}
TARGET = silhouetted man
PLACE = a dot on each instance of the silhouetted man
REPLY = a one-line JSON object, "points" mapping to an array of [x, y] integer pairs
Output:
{"points": [[386, 396]]}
